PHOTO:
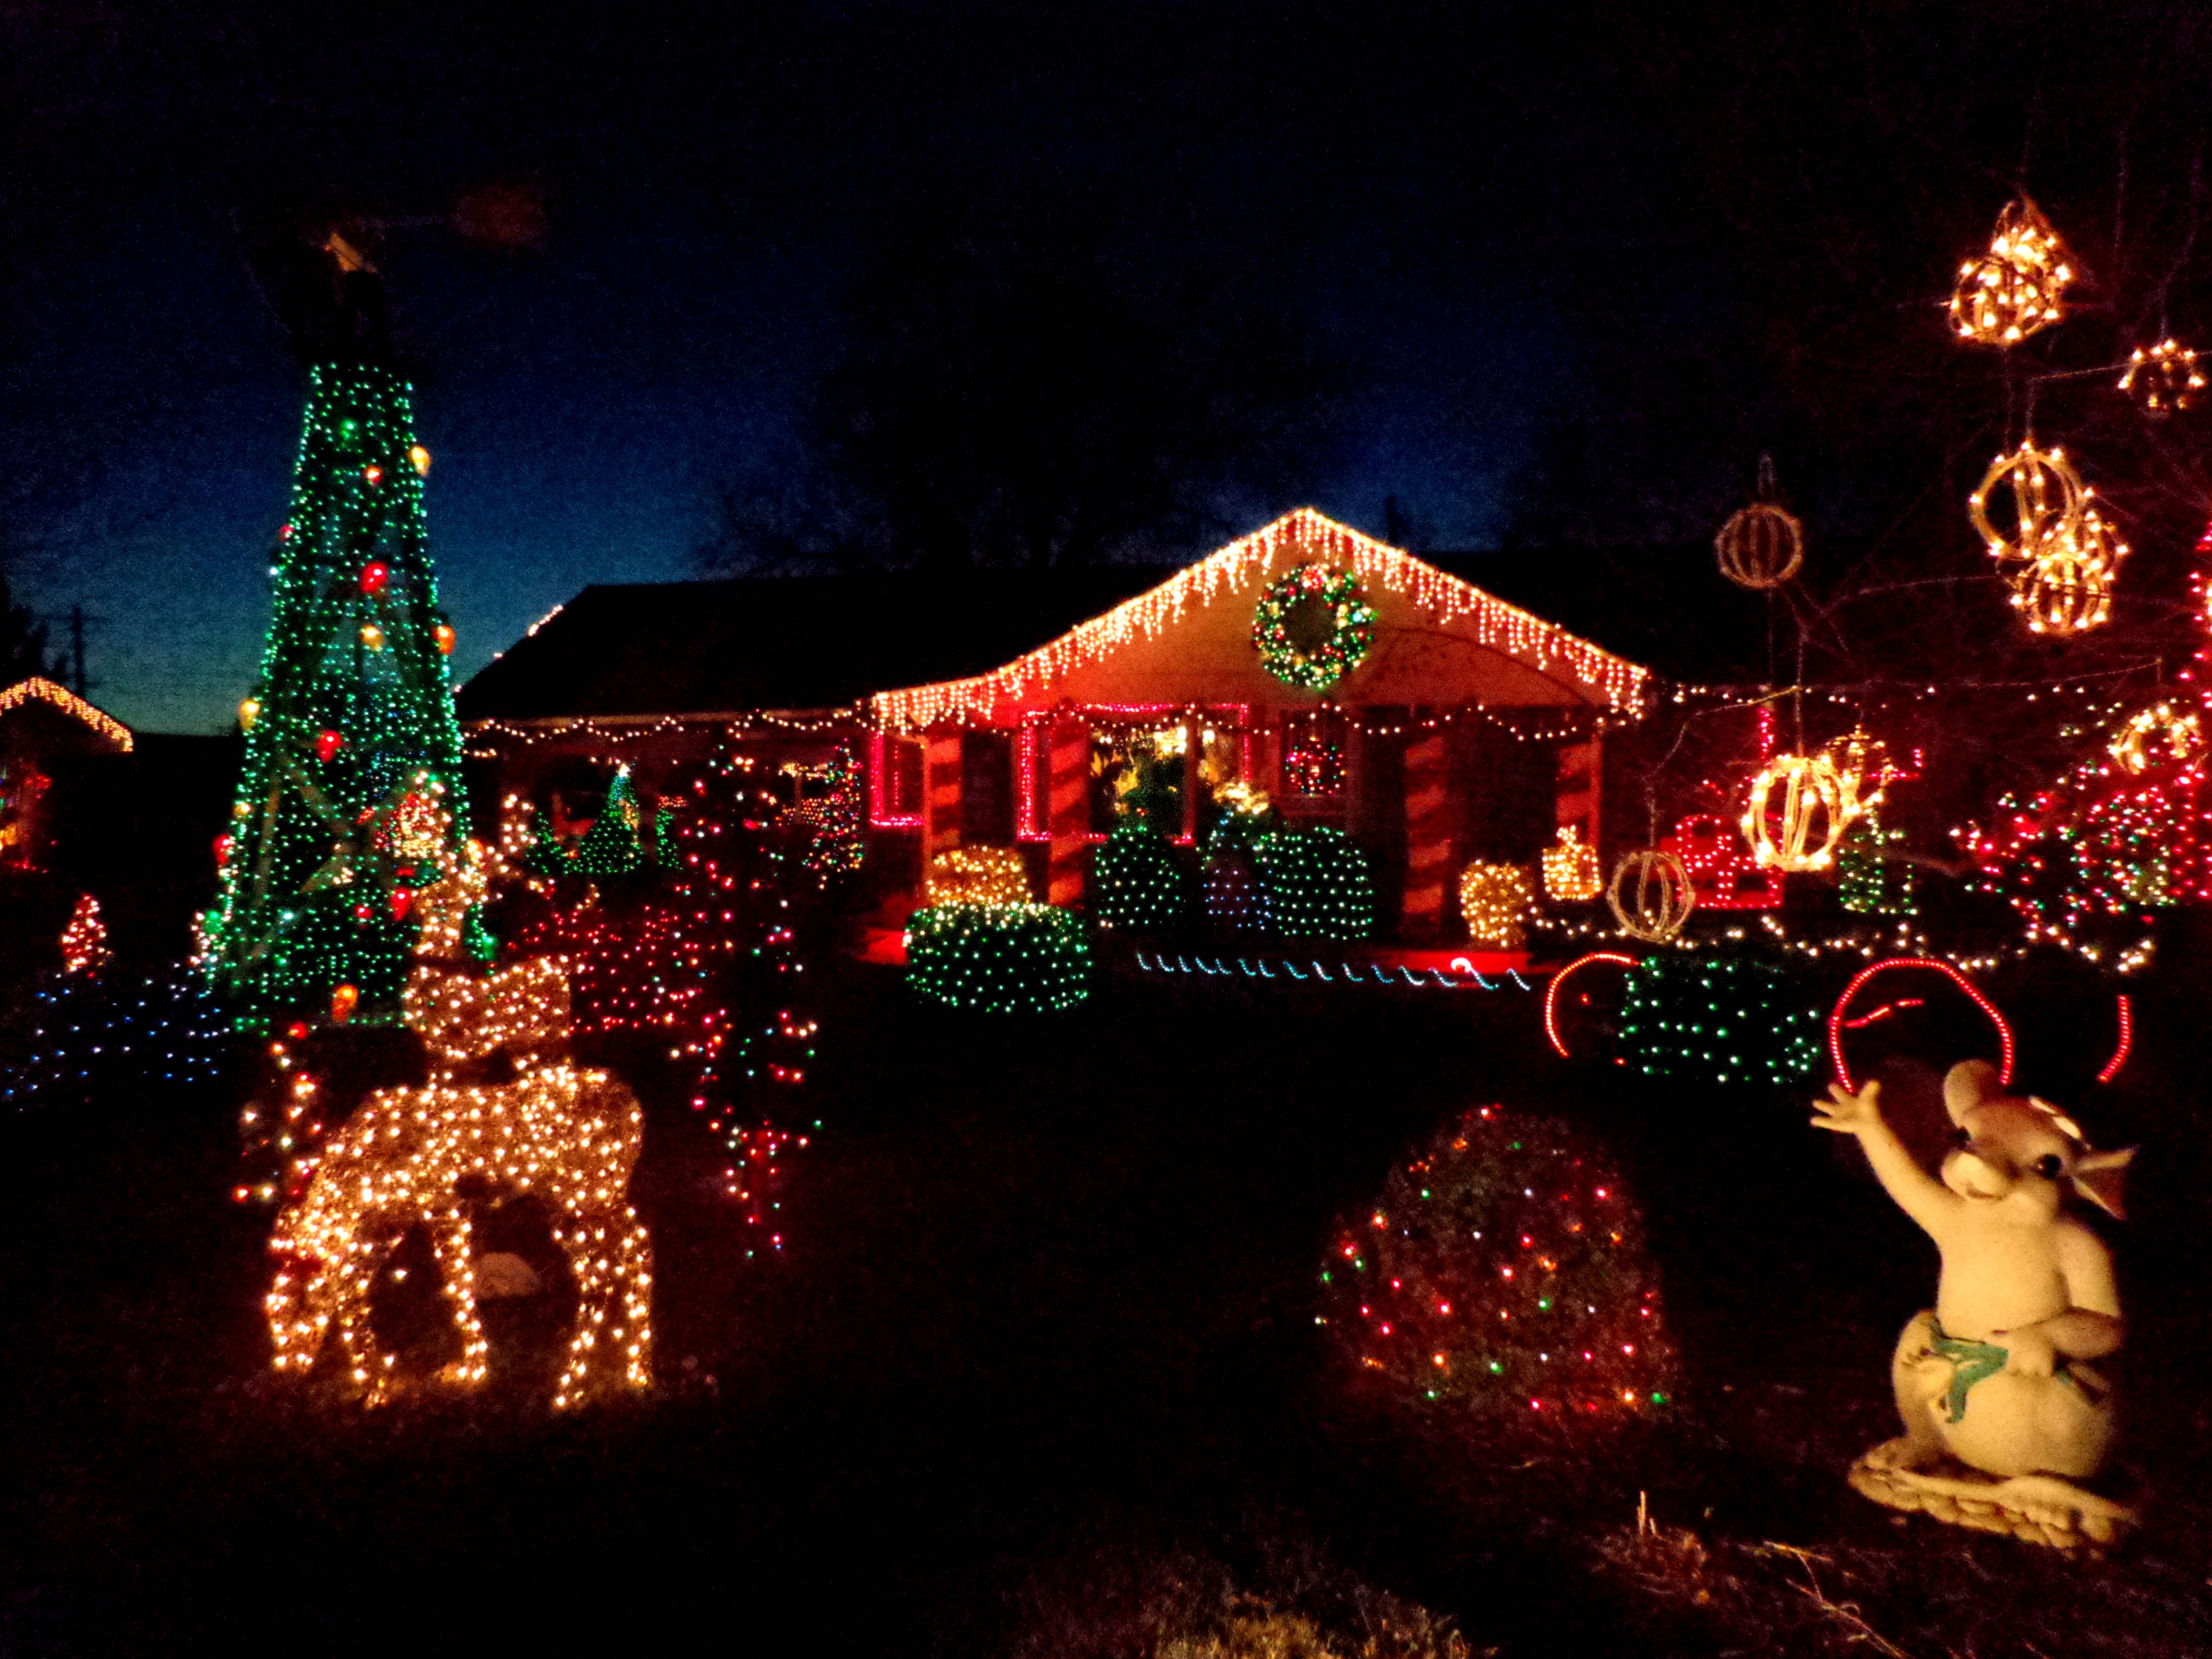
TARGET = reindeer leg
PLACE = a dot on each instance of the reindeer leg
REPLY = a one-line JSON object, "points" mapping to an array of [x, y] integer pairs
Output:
{"points": [[452, 1239], [369, 1370], [634, 1284]]}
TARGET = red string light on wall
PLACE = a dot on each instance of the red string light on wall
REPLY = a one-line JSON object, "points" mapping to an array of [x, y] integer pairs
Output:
{"points": [[1837, 1022]]}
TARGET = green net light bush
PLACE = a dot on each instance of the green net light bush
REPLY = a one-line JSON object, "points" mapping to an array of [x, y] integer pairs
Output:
{"points": [[1137, 885], [1718, 1020], [1316, 884], [1002, 959], [1503, 1272]]}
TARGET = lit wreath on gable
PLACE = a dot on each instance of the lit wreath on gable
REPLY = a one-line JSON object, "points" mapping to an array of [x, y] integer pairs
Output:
{"points": [[1313, 626]]}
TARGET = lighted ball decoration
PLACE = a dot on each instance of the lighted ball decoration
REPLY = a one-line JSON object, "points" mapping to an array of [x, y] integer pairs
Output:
{"points": [[1798, 807], [1572, 874], [1503, 1272], [1721, 1020], [2158, 732], [2047, 497], [1761, 546], [977, 875], [1496, 901], [2019, 286], [2067, 589], [1137, 884], [2163, 377], [1001, 958], [1313, 626], [1651, 896], [1317, 884]]}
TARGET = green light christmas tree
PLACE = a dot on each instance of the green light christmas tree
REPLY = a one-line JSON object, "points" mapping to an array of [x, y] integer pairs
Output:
{"points": [[350, 792]]}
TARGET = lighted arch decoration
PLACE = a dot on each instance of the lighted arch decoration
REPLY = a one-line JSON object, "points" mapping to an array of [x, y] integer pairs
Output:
{"points": [[1552, 994], [1866, 974]]}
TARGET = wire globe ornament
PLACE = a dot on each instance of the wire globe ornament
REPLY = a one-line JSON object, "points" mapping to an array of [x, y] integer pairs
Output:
{"points": [[1651, 896], [2163, 377], [2068, 589], [2160, 732], [2048, 499], [2018, 287], [1797, 828]]}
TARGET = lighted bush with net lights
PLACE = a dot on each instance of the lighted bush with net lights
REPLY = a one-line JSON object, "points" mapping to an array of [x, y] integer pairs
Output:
{"points": [[1718, 1019], [1003, 958], [1504, 1272], [1316, 884], [74, 1037], [1136, 883]]}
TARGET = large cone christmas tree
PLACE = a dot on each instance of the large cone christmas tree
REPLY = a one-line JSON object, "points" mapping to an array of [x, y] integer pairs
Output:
{"points": [[351, 786]]}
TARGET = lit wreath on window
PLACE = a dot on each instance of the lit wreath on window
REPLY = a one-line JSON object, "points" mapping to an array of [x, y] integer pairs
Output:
{"points": [[1313, 627]]}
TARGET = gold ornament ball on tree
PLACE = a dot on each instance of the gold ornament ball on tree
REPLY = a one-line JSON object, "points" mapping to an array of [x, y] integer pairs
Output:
{"points": [[2018, 286], [1571, 873], [1496, 899], [1651, 895]]}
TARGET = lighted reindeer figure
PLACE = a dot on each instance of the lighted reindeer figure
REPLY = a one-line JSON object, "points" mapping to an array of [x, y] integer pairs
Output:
{"points": [[410, 1157]]}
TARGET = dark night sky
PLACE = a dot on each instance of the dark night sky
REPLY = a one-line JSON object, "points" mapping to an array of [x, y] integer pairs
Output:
{"points": [[1466, 203]]}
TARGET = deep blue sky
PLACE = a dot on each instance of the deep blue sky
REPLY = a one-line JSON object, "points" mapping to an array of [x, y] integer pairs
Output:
{"points": [[1445, 197]]}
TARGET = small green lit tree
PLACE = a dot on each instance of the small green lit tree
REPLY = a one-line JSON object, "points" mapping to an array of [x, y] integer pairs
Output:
{"points": [[1316, 884]]}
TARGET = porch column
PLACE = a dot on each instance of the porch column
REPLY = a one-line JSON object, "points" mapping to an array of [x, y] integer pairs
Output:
{"points": [[940, 794], [1578, 799], [1428, 836], [1068, 810]]}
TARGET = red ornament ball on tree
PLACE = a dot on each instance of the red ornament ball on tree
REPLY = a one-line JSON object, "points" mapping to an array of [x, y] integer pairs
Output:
{"points": [[375, 577], [328, 743]]}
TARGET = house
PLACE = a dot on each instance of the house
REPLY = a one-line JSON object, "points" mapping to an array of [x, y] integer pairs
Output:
{"points": [[1355, 684], [994, 708]]}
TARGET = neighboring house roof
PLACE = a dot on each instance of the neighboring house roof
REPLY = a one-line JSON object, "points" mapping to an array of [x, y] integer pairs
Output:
{"points": [[729, 648], [37, 690], [1439, 641]]}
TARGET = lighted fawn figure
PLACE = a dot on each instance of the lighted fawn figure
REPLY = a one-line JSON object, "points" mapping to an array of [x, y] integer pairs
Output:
{"points": [[2004, 1407], [411, 1157]]}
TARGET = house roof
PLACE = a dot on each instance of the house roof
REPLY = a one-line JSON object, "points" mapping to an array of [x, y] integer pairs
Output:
{"points": [[728, 649], [38, 694], [1439, 640]]}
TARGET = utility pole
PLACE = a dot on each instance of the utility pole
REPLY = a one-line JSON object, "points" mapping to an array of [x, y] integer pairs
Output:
{"points": [[79, 624]]}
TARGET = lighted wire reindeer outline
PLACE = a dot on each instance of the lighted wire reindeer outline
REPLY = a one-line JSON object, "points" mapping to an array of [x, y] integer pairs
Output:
{"points": [[410, 1157]]}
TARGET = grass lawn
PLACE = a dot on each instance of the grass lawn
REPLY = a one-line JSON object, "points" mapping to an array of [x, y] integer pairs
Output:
{"points": [[1040, 1353]]}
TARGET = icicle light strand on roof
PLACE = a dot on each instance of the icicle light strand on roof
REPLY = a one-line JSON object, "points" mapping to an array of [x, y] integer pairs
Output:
{"points": [[69, 703], [1301, 537]]}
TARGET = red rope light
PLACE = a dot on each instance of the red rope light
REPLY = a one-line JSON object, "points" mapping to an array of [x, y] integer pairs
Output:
{"points": [[1836, 1018], [2127, 1041], [1552, 994]]}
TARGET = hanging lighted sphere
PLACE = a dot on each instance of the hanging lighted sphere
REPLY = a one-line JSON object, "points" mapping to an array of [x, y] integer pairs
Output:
{"points": [[2164, 378], [444, 634], [1795, 813], [2155, 734], [1651, 896], [2018, 286], [2047, 497], [420, 457], [1760, 547], [1571, 873], [248, 711], [2068, 588]]}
